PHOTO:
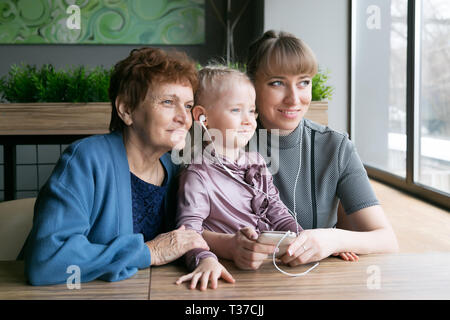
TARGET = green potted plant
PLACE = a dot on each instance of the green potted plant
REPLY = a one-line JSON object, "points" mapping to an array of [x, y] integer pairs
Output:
{"points": [[321, 94], [75, 100], [49, 101]]}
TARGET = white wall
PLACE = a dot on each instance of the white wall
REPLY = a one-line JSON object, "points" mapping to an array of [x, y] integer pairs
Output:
{"points": [[324, 25]]}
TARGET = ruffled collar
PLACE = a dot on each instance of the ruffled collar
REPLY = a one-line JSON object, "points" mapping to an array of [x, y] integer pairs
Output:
{"points": [[246, 165], [249, 169]]}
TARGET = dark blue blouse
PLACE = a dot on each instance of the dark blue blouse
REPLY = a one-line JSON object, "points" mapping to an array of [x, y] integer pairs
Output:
{"points": [[147, 201]]}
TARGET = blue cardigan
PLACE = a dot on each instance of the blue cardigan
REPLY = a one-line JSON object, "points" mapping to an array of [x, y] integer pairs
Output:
{"points": [[83, 216]]}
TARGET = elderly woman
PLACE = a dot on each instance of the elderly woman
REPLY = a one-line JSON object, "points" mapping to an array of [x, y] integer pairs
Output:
{"points": [[320, 175], [104, 207]]}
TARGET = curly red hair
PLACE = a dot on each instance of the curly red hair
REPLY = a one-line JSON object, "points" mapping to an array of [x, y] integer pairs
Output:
{"points": [[143, 68]]}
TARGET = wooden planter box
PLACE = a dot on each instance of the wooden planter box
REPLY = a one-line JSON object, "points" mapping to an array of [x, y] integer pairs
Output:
{"points": [[81, 118], [318, 112], [54, 118]]}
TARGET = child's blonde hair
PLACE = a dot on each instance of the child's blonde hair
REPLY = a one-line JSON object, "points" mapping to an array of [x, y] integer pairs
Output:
{"points": [[213, 80]]}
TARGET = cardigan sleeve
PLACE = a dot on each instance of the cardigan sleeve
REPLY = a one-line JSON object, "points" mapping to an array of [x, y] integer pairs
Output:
{"points": [[67, 208]]}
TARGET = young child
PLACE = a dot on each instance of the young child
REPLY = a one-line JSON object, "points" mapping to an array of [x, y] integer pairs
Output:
{"points": [[209, 198]]}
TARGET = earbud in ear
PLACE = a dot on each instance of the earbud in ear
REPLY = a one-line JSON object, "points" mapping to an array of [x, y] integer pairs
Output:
{"points": [[202, 118]]}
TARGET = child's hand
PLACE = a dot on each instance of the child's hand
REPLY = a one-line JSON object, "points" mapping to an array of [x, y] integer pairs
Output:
{"points": [[209, 269], [347, 256]]}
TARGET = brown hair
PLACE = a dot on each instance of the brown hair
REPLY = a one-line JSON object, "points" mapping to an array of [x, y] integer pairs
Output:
{"points": [[280, 52], [134, 76]]}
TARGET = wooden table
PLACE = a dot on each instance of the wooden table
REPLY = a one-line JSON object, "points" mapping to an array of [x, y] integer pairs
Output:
{"points": [[13, 286], [401, 276]]}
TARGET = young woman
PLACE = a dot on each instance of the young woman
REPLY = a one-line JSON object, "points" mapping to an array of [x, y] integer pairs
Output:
{"points": [[320, 174]]}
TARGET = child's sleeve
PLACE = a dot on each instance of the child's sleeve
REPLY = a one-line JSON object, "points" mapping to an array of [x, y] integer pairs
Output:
{"points": [[192, 208], [193, 201]]}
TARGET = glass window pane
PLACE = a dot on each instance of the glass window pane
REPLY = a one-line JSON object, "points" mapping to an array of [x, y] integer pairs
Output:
{"points": [[48, 153], [434, 103], [26, 194], [379, 83], [26, 154], [26, 177]]}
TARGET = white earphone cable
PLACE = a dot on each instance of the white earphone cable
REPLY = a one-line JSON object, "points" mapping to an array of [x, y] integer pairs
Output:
{"points": [[293, 213]]}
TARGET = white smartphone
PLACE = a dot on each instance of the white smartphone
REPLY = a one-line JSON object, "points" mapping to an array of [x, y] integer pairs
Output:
{"points": [[273, 237]]}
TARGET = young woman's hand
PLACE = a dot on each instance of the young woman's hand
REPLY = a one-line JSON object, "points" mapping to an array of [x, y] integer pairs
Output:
{"points": [[208, 270], [247, 253], [310, 246], [170, 246], [347, 256]]}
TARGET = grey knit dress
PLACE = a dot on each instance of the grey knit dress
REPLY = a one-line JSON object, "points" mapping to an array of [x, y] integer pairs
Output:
{"points": [[330, 170]]}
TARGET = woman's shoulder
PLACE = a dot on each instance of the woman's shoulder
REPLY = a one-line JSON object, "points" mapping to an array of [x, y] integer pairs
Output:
{"points": [[84, 164], [96, 144], [93, 151], [324, 135], [335, 144], [323, 129]]}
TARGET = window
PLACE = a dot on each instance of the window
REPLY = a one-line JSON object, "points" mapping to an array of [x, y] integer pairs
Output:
{"points": [[400, 97], [34, 165], [433, 152], [379, 87]]}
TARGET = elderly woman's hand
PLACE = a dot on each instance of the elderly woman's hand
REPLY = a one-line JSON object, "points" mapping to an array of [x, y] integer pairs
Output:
{"points": [[170, 246]]}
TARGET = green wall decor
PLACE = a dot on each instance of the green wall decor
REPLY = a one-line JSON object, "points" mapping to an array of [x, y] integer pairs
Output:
{"points": [[171, 22]]}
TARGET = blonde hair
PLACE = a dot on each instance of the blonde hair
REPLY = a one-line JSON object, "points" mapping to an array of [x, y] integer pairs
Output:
{"points": [[213, 80], [280, 52]]}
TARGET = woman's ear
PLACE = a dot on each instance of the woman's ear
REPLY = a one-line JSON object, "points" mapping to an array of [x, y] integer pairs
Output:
{"points": [[197, 111], [124, 112]]}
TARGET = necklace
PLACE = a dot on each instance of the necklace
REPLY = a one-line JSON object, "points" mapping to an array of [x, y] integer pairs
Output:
{"points": [[154, 177]]}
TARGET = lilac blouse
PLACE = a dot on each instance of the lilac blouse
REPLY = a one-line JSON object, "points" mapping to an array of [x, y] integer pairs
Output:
{"points": [[210, 199]]}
